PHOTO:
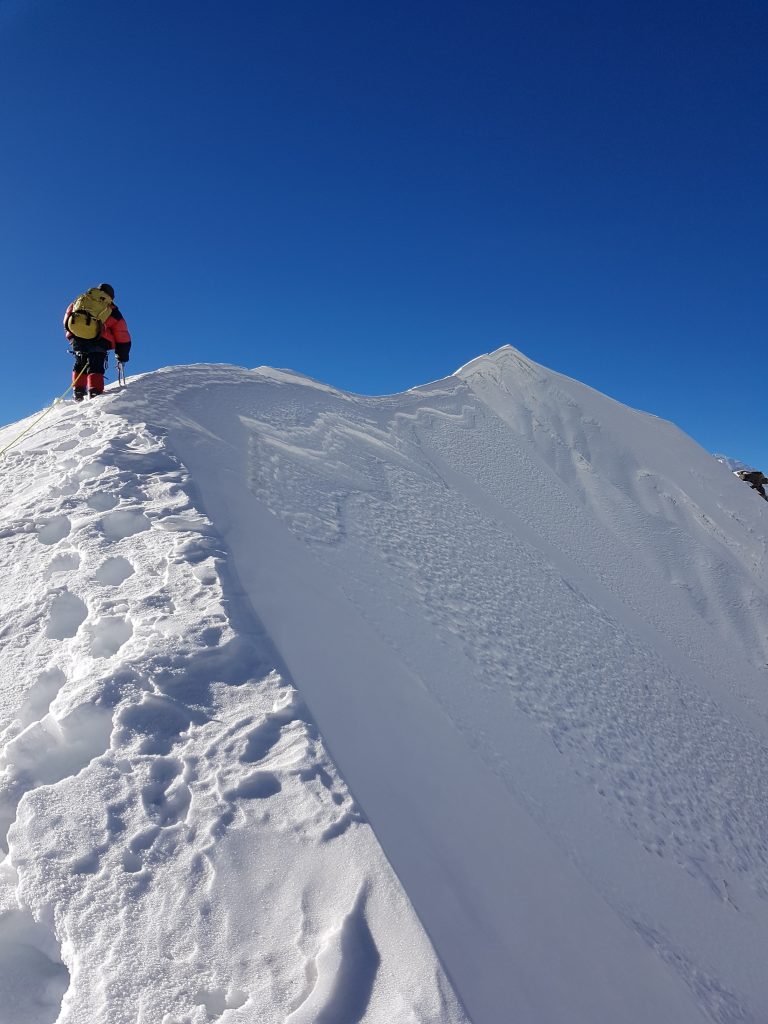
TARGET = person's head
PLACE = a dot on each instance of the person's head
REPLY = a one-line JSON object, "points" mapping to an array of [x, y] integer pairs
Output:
{"points": [[108, 289]]}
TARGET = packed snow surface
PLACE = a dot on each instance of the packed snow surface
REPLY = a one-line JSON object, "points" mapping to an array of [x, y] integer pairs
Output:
{"points": [[439, 707]]}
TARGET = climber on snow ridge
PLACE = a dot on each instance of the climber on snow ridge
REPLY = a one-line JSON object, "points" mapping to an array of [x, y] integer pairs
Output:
{"points": [[94, 325], [755, 479]]}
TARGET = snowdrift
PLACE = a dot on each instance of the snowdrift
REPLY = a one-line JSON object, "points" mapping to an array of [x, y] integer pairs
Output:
{"points": [[439, 707]]}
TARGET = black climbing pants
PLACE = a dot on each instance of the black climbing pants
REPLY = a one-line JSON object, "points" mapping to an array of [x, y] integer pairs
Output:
{"points": [[90, 364]]}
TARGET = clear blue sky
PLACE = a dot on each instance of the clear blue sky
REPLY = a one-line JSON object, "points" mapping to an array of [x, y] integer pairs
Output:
{"points": [[373, 193]]}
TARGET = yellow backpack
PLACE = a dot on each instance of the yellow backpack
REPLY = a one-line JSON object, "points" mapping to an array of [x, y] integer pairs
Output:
{"points": [[90, 311]]}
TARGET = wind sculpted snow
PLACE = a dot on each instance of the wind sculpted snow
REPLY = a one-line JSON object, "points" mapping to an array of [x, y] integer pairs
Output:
{"points": [[293, 679], [181, 848]]}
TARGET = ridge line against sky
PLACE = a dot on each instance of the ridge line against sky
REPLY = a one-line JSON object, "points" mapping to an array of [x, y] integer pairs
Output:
{"points": [[376, 195]]}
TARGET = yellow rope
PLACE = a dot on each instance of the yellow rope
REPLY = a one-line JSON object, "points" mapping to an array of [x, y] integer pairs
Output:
{"points": [[44, 413]]}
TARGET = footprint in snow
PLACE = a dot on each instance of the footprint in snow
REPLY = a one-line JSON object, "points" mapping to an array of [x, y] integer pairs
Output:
{"points": [[88, 864], [159, 722], [166, 797], [67, 561], [65, 616], [210, 636], [108, 634], [132, 855], [124, 523], [87, 471], [54, 530], [267, 733], [257, 786], [40, 696], [261, 740], [114, 571], [102, 502]]}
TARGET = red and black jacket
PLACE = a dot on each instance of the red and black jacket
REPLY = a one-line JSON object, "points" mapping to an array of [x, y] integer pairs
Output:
{"points": [[114, 334]]}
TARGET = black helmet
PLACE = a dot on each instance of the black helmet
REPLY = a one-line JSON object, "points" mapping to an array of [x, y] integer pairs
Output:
{"points": [[108, 289]]}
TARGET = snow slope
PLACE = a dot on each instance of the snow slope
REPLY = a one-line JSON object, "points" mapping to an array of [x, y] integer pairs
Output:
{"points": [[293, 679]]}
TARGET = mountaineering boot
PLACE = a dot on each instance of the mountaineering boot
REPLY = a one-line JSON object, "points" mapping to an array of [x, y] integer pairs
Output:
{"points": [[79, 394], [95, 383], [93, 393]]}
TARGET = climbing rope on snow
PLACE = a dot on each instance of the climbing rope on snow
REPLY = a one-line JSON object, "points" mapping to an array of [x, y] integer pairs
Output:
{"points": [[44, 413]]}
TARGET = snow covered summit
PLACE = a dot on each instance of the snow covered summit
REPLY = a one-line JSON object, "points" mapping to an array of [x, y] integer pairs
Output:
{"points": [[439, 707]]}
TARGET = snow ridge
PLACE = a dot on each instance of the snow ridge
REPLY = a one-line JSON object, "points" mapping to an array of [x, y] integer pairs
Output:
{"points": [[155, 762], [510, 626]]}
